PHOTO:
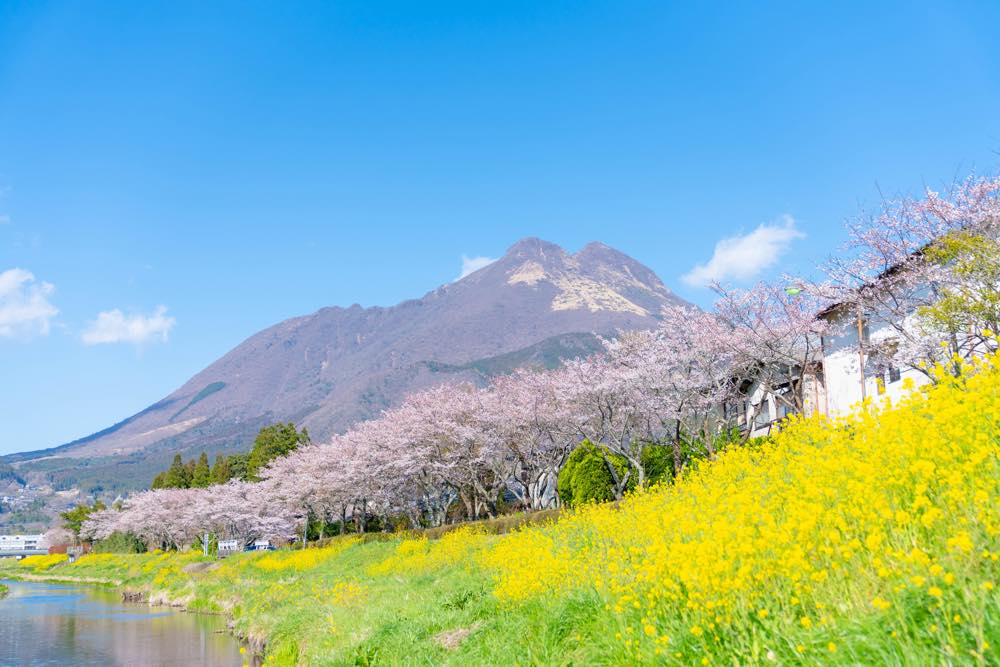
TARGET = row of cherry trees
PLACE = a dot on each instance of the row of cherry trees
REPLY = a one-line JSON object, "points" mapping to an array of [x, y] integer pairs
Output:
{"points": [[468, 446], [459, 445]]}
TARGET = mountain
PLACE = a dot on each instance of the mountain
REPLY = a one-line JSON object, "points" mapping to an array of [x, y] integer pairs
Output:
{"points": [[536, 305]]}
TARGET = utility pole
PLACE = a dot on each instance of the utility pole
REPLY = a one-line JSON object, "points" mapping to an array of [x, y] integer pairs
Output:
{"points": [[861, 351]]}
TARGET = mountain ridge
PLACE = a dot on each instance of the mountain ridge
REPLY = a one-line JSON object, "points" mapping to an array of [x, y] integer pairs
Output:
{"points": [[535, 305]]}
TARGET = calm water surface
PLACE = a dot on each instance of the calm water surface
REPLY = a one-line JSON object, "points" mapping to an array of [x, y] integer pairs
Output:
{"points": [[66, 625]]}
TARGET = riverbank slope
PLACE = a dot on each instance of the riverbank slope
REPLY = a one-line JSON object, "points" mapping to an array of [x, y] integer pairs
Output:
{"points": [[871, 540]]}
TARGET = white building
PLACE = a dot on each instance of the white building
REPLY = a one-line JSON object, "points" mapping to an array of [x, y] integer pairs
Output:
{"points": [[850, 374], [22, 542], [846, 372]]}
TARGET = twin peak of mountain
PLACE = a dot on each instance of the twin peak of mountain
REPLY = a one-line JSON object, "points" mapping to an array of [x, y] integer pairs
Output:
{"points": [[534, 306], [597, 278]]}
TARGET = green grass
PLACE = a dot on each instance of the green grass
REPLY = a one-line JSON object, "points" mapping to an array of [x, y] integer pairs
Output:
{"points": [[400, 617], [397, 611], [395, 619]]}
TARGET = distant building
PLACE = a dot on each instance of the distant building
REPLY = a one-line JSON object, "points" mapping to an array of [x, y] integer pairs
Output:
{"points": [[15, 545]]}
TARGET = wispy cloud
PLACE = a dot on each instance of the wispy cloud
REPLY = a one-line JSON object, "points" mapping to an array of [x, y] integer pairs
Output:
{"points": [[114, 326], [473, 264], [4, 219], [745, 257], [25, 309]]}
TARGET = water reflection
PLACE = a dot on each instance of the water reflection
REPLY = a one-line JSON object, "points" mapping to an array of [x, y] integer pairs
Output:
{"points": [[48, 624]]}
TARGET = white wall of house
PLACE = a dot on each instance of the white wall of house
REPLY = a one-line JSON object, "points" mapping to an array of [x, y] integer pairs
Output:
{"points": [[760, 411], [848, 376]]}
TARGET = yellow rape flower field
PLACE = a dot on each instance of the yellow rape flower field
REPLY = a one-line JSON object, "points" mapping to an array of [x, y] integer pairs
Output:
{"points": [[872, 540]]}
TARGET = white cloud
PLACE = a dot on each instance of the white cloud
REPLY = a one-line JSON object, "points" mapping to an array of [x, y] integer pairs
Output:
{"points": [[25, 309], [472, 264], [745, 257], [114, 326]]}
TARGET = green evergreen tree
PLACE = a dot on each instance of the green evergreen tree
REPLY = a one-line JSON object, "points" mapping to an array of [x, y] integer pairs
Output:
{"points": [[272, 442], [238, 466], [202, 476], [177, 476], [220, 471]]}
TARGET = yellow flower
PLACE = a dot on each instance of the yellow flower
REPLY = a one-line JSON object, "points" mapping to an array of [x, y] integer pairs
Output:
{"points": [[881, 603], [649, 630], [961, 542], [831, 647], [815, 513]]}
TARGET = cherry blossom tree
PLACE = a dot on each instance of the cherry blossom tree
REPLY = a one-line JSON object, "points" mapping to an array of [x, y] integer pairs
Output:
{"points": [[527, 419], [245, 511], [681, 377], [776, 337], [601, 407], [927, 269]]}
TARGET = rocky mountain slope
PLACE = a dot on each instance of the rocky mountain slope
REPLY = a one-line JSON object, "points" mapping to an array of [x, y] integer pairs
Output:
{"points": [[534, 306]]}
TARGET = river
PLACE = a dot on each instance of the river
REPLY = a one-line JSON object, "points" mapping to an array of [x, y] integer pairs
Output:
{"points": [[79, 626]]}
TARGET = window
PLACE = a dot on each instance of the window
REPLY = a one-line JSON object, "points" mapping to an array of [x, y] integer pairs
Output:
{"points": [[894, 374], [762, 416]]}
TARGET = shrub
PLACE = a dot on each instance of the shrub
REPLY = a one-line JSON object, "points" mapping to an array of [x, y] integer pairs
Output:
{"points": [[120, 543], [657, 463], [585, 477]]}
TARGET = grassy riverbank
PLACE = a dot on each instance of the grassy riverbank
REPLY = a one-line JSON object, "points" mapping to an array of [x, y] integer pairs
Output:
{"points": [[870, 541]]}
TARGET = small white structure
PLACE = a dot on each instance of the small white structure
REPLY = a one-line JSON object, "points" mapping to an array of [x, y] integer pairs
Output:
{"points": [[262, 545], [227, 547]]}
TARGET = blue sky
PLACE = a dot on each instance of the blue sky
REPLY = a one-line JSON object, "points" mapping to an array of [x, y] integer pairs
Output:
{"points": [[177, 176]]}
